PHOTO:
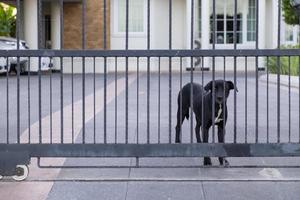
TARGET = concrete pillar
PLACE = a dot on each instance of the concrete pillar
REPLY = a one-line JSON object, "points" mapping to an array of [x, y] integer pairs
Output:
{"points": [[275, 24], [188, 29], [261, 29], [55, 25], [55, 30], [205, 29], [31, 28]]}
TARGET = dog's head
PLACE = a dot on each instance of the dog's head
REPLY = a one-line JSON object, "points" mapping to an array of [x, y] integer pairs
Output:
{"points": [[222, 89]]}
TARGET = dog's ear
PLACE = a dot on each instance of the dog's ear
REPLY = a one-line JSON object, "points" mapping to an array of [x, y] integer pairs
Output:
{"points": [[231, 86], [208, 86]]}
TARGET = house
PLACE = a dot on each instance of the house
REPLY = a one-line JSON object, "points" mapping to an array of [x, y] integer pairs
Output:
{"points": [[159, 28]]}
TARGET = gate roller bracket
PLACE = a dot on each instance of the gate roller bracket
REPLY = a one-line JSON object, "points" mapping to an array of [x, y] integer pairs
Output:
{"points": [[22, 172], [14, 164]]}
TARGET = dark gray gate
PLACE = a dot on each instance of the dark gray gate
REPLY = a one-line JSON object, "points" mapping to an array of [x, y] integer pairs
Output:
{"points": [[30, 100]]}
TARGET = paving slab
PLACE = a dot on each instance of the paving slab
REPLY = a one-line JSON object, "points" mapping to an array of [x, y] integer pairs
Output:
{"points": [[251, 190], [88, 191], [165, 191]]}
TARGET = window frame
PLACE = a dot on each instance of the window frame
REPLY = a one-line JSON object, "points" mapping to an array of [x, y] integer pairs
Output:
{"points": [[225, 31], [116, 22]]}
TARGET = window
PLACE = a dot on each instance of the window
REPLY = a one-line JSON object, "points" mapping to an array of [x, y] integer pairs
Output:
{"points": [[288, 33], [251, 21], [224, 20], [135, 17]]}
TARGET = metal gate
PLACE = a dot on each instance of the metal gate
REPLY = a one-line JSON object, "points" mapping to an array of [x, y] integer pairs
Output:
{"points": [[132, 110]]}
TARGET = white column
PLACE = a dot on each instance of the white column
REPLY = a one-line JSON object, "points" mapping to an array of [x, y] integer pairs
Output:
{"points": [[55, 25], [188, 29], [261, 29], [55, 30], [31, 28], [205, 29], [275, 23]]}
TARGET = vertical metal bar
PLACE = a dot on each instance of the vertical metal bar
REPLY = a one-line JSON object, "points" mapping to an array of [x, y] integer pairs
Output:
{"points": [[170, 71], [148, 72], [202, 96], [94, 97], [61, 101], [72, 88], [234, 71], [246, 99], [61, 73], [137, 99], [213, 71], [28, 86], [192, 69], [159, 82], [256, 73], [105, 73], [299, 96], [116, 101], [267, 99], [18, 70], [105, 100], [148, 100], [39, 69], [51, 133], [83, 68], [278, 72], [7, 101], [180, 105], [289, 99], [126, 75], [223, 106]]}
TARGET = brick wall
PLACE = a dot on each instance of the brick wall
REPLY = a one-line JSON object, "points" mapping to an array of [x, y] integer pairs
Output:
{"points": [[94, 25]]}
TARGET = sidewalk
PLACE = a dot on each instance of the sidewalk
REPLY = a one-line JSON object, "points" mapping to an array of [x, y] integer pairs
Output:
{"points": [[284, 80]]}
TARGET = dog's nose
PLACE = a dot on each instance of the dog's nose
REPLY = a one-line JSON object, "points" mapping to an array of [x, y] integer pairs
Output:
{"points": [[219, 99]]}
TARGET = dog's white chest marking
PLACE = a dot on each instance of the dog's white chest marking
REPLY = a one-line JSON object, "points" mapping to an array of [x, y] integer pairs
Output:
{"points": [[218, 118]]}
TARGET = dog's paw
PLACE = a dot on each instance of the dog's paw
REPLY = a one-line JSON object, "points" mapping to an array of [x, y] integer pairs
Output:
{"points": [[225, 163], [207, 161]]}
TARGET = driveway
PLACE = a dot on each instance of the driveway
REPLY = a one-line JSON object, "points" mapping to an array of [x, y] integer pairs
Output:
{"points": [[190, 182]]}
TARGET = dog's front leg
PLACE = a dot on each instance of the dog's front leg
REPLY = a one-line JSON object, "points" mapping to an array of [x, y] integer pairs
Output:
{"points": [[207, 160], [221, 136]]}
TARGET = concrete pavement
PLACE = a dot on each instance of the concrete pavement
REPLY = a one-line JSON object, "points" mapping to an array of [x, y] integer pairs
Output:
{"points": [[156, 183]]}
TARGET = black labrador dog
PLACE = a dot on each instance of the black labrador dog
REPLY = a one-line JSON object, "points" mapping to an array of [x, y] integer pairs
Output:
{"points": [[222, 89]]}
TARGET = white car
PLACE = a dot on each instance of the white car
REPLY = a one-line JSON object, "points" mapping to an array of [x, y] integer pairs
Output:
{"points": [[8, 43], [3, 64]]}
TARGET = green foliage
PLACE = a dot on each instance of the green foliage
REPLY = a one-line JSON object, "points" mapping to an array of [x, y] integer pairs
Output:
{"points": [[7, 21], [289, 13], [284, 63]]}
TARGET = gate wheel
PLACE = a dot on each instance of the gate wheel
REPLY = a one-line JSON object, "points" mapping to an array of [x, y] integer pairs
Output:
{"points": [[22, 172]]}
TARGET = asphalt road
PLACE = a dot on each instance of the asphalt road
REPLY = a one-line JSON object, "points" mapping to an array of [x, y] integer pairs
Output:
{"points": [[146, 183]]}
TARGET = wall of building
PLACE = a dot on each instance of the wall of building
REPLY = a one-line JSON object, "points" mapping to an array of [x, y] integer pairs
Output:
{"points": [[94, 25]]}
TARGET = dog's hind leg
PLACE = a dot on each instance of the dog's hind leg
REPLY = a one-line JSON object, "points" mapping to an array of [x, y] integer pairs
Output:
{"points": [[221, 136], [180, 118], [197, 129], [207, 160]]}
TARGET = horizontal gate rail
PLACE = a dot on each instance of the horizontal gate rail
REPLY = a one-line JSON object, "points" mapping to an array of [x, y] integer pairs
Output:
{"points": [[155, 150], [151, 53]]}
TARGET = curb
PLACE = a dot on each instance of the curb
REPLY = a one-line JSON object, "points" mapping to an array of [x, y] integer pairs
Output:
{"points": [[284, 80]]}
